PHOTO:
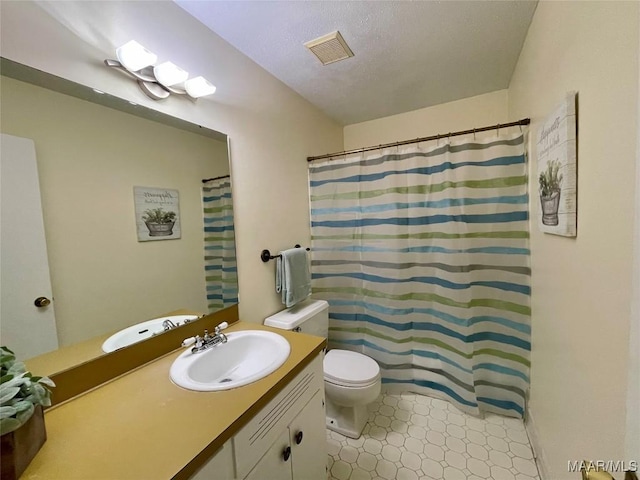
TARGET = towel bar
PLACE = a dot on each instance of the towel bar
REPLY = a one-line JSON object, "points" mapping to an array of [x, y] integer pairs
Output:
{"points": [[265, 255]]}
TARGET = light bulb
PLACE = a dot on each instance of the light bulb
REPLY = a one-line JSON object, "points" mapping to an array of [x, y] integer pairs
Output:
{"points": [[199, 87], [169, 74], [134, 56]]}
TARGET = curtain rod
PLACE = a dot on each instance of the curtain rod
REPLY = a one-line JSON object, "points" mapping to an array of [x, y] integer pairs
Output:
{"points": [[524, 121], [205, 180]]}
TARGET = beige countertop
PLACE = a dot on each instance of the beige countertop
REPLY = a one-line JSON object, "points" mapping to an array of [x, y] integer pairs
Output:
{"points": [[141, 426]]}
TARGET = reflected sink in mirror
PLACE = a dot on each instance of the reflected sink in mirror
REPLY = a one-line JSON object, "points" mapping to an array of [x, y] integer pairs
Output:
{"points": [[144, 330], [246, 357]]}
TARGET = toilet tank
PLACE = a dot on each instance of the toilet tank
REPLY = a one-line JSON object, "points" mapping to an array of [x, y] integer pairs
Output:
{"points": [[310, 316]]}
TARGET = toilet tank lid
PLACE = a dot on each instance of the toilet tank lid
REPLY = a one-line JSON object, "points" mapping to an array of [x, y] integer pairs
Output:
{"points": [[292, 317]]}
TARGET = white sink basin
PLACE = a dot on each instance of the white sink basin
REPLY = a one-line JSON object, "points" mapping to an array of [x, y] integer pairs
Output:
{"points": [[141, 331], [247, 357]]}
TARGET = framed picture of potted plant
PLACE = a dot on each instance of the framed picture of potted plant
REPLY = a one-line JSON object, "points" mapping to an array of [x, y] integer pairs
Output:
{"points": [[157, 213], [557, 170]]}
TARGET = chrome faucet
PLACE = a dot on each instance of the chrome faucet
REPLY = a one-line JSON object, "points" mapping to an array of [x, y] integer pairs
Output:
{"points": [[168, 325], [208, 341]]}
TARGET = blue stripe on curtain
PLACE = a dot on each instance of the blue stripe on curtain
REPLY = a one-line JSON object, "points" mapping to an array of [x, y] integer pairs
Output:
{"points": [[220, 267], [423, 256]]}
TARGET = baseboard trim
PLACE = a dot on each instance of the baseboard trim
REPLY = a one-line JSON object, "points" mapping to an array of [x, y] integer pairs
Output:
{"points": [[538, 451]]}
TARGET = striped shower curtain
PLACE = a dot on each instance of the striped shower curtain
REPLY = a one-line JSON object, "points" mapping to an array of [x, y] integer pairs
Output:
{"points": [[221, 275], [423, 256]]}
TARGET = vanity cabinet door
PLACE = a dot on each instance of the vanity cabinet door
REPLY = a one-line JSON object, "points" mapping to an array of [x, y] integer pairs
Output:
{"points": [[308, 440], [276, 463], [218, 467]]}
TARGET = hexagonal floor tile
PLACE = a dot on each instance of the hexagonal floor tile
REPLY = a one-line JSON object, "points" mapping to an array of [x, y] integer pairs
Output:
{"points": [[414, 437]]}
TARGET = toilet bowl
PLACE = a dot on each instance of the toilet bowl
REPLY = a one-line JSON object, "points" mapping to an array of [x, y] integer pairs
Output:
{"points": [[351, 382], [351, 379]]}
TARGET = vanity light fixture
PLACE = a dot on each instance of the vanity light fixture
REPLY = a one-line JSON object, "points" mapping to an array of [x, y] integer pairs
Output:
{"points": [[159, 81]]}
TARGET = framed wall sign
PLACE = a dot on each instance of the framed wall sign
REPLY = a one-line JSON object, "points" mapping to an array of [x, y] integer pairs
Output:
{"points": [[157, 213], [557, 170]]}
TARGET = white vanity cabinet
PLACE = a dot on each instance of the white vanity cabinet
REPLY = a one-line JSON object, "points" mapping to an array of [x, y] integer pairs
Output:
{"points": [[298, 453], [285, 440]]}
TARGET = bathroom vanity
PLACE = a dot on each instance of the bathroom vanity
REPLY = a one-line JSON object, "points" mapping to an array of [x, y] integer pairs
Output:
{"points": [[142, 426]]}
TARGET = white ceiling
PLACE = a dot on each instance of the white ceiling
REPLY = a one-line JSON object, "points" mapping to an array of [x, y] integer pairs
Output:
{"points": [[408, 55]]}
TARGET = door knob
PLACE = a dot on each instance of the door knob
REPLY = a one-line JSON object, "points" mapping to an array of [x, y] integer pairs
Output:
{"points": [[42, 302]]}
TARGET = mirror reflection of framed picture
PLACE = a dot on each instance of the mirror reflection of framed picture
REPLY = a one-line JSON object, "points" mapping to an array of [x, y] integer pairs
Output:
{"points": [[157, 213]]}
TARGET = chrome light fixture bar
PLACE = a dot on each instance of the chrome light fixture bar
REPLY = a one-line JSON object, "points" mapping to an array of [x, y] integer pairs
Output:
{"points": [[159, 81]]}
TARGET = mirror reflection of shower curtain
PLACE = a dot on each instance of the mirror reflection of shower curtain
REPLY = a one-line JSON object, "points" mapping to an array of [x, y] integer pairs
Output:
{"points": [[423, 256], [221, 273]]}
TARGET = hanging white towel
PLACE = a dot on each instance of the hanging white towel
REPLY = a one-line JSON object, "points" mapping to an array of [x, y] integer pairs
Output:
{"points": [[293, 279]]}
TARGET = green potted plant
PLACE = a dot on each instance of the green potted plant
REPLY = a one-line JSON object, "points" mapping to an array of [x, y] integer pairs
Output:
{"points": [[550, 182], [159, 222], [22, 397]]}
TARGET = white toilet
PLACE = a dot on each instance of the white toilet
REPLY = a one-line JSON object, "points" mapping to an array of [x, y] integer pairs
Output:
{"points": [[351, 379]]}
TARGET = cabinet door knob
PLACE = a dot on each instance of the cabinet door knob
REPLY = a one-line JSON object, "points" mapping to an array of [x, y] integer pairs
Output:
{"points": [[286, 454], [299, 438], [42, 302]]}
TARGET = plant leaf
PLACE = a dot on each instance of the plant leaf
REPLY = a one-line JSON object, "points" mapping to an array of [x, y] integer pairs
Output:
{"points": [[9, 425], [8, 411], [16, 381], [47, 381], [6, 378], [25, 415], [38, 390], [6, 394], [7, 349], [21, 406], [18, 367], [6, 359]]}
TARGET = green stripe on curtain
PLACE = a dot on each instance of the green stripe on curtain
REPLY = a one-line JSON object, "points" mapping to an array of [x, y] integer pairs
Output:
{"points": [[423, 256], [219, 245]]}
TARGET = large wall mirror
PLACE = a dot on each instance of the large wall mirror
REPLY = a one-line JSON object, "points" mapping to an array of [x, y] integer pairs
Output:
{"points": [[97, 156]]}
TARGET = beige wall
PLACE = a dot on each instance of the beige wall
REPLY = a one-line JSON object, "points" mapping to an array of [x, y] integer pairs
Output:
{"points": [[633, 395], [582, 286], [468, 113], [272, 129], [89, 159]]}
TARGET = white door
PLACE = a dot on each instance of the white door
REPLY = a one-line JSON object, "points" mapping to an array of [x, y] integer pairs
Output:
{"points": [[26, 329]]}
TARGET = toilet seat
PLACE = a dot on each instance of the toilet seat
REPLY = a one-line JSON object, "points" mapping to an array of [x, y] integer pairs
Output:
{"points": [[350, 369]]}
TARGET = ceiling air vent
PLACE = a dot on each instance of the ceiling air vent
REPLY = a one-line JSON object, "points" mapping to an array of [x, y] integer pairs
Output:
{"points": [[330, 48]]}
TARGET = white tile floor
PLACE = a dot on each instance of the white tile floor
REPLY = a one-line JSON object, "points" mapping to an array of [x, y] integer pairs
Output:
{"points": [[412, 437]]}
